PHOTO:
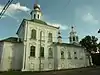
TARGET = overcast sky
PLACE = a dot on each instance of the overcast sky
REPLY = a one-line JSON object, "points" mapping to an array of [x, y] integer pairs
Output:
{"points": [[83, 14]]}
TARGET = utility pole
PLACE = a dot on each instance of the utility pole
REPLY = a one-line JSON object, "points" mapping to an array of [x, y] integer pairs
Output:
{"points": [[40, 51]]}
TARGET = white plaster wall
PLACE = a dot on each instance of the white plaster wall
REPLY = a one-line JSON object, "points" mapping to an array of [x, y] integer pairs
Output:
{"points": [[18, 56], [46, 29], [12, 56], [7, 56], [1, 53], [62, 63], [71, 63], [1, 50]]}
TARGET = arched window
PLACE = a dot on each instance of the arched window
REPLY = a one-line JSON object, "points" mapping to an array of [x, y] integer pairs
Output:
{"points": [[32, 51], [33, 34], [75, 55], [62, 54], [34, 16], [74, 38], [50, 53], [38, 16], [70, 39]]}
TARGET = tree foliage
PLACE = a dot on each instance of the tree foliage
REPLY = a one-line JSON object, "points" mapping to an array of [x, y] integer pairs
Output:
{"points": [[90, 43], [99, 46]]}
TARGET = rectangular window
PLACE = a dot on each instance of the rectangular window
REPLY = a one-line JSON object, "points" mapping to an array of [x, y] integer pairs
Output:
{"points": [[42, 52], [42, 36], [50, 53], [32, 51], [50, 37], [34, 16]]}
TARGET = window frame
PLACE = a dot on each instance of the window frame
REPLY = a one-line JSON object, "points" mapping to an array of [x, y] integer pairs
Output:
{"points": [[38, 16], [42, 52], [74, 38], [32, 51], [50, 53], [75, 55], [34, 16], [62, 54], [33, 34], [50, 37]]}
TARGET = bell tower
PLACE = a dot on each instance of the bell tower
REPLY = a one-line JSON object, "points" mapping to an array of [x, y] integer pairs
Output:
{"points": [[73, 38], [36, 12]]}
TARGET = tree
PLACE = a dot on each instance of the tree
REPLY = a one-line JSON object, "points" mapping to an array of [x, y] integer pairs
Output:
{"points": [[90, 43], [99, 46]]}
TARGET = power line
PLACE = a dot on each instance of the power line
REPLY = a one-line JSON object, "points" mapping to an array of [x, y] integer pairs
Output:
{"points": [[5, 8]]}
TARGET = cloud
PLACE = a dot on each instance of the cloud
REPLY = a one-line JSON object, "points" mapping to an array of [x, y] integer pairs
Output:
{"points": [[89, 18], [85, 14], [62, 27], [17, 6], [14, 9]]}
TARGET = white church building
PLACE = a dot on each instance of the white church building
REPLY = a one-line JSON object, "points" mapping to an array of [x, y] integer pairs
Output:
{"points": [[39, 47]]}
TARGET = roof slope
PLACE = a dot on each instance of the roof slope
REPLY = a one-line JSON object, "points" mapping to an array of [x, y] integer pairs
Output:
{"points": [[12, 39], [36, 21], [40, 22], [67, 44]]}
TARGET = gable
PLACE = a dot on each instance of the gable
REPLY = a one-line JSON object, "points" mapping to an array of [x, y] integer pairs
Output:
{"points": [[36, 21]]}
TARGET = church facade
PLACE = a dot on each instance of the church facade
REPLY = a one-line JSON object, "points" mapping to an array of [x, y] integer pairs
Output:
{"points": [[39, 47]]}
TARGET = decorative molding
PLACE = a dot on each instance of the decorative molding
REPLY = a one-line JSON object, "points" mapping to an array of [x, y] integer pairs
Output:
{"points": [[31, 66], [31, 39], [30, 57], [42, 66], [62, 49], [32, 44], [50, 66], [62, 65], [50, 57], [42, 44]]}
